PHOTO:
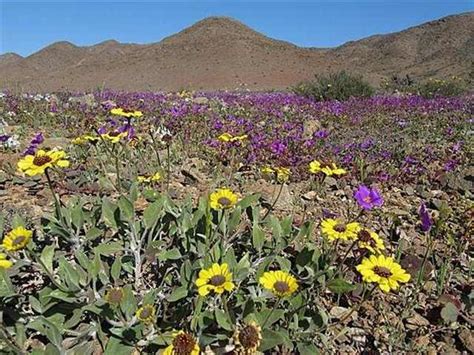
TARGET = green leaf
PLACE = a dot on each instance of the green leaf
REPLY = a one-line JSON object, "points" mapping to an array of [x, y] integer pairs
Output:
{"points": [[340, 286], [173, 254], [269, 317], [449, 313], [127, 210], [247, 201], [116, 268], [152, 213], [116, 346], [177, 294], [258, 237], [110, 248], [223, 319], [307, 349], [77, 216], [109, 213], [93, 233], [47, 255], [271, 339]]}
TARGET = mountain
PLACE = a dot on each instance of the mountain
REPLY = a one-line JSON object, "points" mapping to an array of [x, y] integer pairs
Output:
{"points": [[221, 53]]}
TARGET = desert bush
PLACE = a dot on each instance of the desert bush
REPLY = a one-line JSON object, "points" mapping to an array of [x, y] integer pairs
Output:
{"points": [[399, 84], [442, 88], [337, 86]]}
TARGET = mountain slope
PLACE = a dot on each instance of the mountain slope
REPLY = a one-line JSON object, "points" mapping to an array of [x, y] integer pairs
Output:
{"points": [[222, 53]]}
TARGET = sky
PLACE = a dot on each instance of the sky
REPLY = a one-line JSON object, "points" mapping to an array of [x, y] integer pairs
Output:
{"points": [[27, 26]]}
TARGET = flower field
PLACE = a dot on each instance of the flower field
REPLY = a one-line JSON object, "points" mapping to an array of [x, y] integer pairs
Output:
{"points": [[235, 223]]}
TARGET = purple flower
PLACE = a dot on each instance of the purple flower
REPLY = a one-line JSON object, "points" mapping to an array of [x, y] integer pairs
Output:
{"points": [[31, 150], [278, 147], [38, 139], [321, 134], [426, 221], [4, 138], [368, 198]]}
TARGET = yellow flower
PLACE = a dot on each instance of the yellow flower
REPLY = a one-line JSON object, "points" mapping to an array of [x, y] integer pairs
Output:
{"points": [[183, 344], [247, 339], [384, 271], [85, 139], [36, 164], [267, 170], [114, 137], [4, 263], [126, 113], [114, 296], [227, 137], [17, 239], [217, 279], [149, 178], [280, 283], [336, 229], [370, 240], [222, 199], [146, 314], [283, 174], [328, 169]]}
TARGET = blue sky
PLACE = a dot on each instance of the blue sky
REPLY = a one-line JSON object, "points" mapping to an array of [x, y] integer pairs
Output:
{"points": [[27, 26]]}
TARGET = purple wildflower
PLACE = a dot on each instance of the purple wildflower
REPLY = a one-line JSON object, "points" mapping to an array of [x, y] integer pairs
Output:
{"points": [[321, 134], [4, 138], [38, 139], [425, 217], [368, 198]]}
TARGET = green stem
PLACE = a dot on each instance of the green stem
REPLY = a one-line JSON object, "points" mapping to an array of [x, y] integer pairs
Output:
{"points": [[168, 175], [275, 306], [10, 342], [57, 204], [274, 202]]}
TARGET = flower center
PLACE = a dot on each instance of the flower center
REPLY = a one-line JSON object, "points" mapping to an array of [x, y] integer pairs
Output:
{"points": [[340, 227], [115, 296], [18, 240], [183, 344], [382, 271], [364, 236], [41, 160], [146, 312], [224, 201], [249, 337], [281, 287], [114, 134], [217, 280], [367, 199]]}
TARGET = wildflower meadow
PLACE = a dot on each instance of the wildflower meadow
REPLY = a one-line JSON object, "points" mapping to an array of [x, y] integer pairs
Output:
{"points": [[235, 223]]}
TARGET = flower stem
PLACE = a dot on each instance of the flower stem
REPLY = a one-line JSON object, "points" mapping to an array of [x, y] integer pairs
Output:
{"points": [[271, 312], [274, 202]]}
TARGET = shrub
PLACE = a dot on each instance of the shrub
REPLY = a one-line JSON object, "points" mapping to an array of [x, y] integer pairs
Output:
{"points": [[400, 84], [437, 87], [337, 86]]}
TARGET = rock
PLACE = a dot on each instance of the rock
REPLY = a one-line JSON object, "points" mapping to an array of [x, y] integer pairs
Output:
{"points": [[201, 100], [269, 193], [417, 321], [338, 312], [310, 195], [330, 181], [467, 338]]}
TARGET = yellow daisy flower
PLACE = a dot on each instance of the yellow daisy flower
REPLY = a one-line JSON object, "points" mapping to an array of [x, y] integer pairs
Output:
{"points": [[126, 113], [337, 229], [114, 296], [280, 283], [17, 239], [217, 279], [247, 339], [283, 174], [114, 137], [222, 199], [384, 271], [267, 170], [149, 178], [183, 344], [146, 314], [36, 164], [4, 263], [85, 139], [370, 240], [328, 169], [227, 137]]}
